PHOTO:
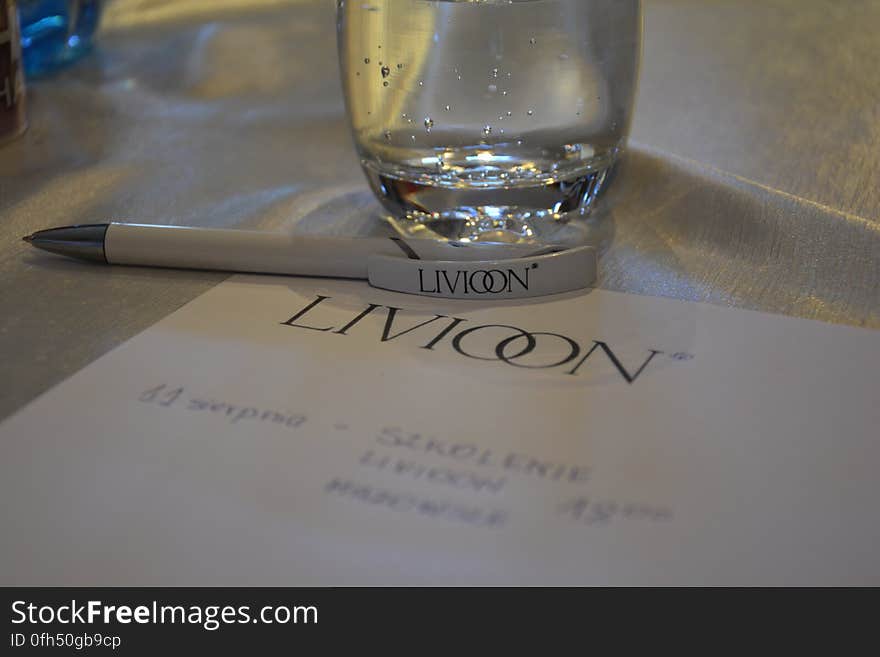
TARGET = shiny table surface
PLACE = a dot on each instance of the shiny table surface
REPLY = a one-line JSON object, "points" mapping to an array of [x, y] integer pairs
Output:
{"points": [[751, 181]]}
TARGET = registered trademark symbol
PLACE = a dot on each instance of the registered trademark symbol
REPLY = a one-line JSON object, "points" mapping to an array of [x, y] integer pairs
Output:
{"points": [[682, 356]]}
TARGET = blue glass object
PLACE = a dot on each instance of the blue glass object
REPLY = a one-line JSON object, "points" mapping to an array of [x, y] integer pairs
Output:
{"points": [[56, 32]]}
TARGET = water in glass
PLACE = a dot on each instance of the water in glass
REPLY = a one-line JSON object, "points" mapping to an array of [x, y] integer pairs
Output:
{"points": [[489, 119]]}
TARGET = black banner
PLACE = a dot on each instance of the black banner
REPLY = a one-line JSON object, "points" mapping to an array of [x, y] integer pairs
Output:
{"points": [[253, 621]]}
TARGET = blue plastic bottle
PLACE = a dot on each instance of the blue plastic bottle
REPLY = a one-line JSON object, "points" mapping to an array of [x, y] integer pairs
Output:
{"points": [[56, 32]]}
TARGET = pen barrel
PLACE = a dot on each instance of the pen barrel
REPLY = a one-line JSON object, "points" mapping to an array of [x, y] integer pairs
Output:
{"points": [[241, 250]]}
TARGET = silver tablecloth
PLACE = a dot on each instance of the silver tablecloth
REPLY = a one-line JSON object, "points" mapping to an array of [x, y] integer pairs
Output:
{"points": [[752, 178]]}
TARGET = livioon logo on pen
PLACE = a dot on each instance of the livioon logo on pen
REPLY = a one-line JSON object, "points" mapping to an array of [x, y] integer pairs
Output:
{"points": [[511, 345], [480, 282]]}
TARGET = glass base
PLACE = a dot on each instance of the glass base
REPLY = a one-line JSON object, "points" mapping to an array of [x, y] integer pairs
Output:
{"points": [[554, 211]]}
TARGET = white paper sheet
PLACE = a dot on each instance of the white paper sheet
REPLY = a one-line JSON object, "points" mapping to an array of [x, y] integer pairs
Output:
{"points": [[233, 444]]}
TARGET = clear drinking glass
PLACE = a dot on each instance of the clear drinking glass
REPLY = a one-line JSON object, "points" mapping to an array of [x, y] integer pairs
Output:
{"points": [[489, 120]]}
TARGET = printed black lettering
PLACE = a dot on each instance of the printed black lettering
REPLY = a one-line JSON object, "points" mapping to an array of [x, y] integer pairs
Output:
{"points": [[391, 437], [422, 284], [485, 458], [579, 475], [630, 378], [435, 446], [536, 467], [344, 330], [295, 420], [574, 508], [302, 313], [520, 348], [452, 287], [151, 395], [494, 485], [407, 467], [430, 508], [523, 283], [515, 462], [433, 343], [245, 414], [575, 350], [495, 518], [531, 343], [389, 323], [337, 486], [436, 475], [463, 452], [370, 458]]}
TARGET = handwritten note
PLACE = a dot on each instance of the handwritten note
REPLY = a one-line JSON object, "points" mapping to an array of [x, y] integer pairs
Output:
{"points": [[308, 432]]}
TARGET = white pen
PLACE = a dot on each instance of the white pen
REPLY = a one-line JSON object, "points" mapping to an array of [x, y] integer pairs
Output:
{"points": [[382, 260]]}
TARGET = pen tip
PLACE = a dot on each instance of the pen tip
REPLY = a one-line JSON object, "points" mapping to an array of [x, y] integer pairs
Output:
{"points": [[27, 238]]}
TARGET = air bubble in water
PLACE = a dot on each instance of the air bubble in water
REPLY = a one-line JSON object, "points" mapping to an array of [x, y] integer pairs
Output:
{"points": [[387, 135], [366, 60], [530, 112], [429, 123], [447, 108], [386, 71], [533, 41], [487, 130]]}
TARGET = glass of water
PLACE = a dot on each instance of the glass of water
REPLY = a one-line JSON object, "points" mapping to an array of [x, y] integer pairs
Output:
{"points": [[490, 120]]}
